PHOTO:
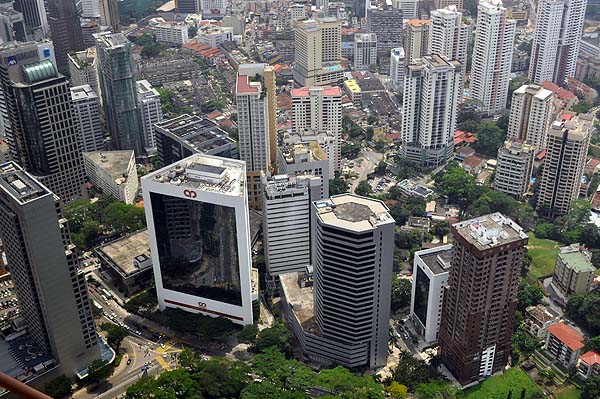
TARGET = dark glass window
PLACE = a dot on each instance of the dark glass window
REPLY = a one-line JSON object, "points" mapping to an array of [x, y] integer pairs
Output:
{"points": [[197, 248], [421, 295]]}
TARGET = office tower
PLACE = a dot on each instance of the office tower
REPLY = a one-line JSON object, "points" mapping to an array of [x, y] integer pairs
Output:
{"points": [[213, 9], [109, 13], [431, 268], [34, 15], [437, 4], [255, 100], [87, 121], [319, 109], [353, 245], [478, 310], [89, 27], [185, 135], [53, 296], [492, 56], [197, 213], [566, 151], [116, 70], [327, 140], [12, 25], [559, 24], [530, 115], [42, 135], [65, 30], [318, 52], [397, 68], [410, 8], [286, 221], [150, 112], [431, 92], [188, 6], [365, 50], [449, 35], [360, 8], [83, 69], [306, 158], [416, 39], [90, 8], [386, 22], [515, 165]]}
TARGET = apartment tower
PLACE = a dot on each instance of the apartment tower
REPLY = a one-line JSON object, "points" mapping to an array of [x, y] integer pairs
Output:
{"points": [[365, 50], [150, 112], [88, 123], [83, 69], [478, 310], [449, 35], [397, 71], [492, 56], [530, 115], [514, 168], [416, 39], [52, 292], [387, 23]]}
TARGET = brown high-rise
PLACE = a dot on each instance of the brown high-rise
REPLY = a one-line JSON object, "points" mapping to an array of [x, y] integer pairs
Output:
{"points": [[65, 30], [480, 300]]}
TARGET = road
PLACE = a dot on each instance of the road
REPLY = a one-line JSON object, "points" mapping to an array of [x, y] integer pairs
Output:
{"points": [[370, 159]]}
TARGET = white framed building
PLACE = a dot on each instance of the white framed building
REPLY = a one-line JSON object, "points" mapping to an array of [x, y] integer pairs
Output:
{"points": [[307, 158], [397, 71], [365, 50], [213, 9], [327, 140], [86, 110], [198, 225], [171, 32], [410, 8], [214, 35], [431, 268], [113, 172], [150, 112], [83, 69], [530, 115], [449, 35], [514, 168]]}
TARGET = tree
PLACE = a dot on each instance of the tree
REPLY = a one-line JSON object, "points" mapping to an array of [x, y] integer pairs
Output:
{"points": [[350, 150], [528, 295], [436, 389], [267, 390], [372, 119], [593, 344], [585, 310], [99, 370], [59, 387], [221, 378], [407, 239], [347, 385], [527, 259], [115, 335], [441, 228], [590, 389], [248, 334], [412, 371], [380, 168], [364, 189], [170, 384], [286, 374], [277, 336], [192, 31], [212, 105], [457, 185], [489, 138], [401, 291], [338, 185], [397, 390]]}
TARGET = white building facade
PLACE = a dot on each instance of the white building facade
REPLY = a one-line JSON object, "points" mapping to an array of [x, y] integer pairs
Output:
{"points": [[113, 172], [449, 35], [365, 50], [171, 32], [530, 115], [397, 71], [150, 111], [514, 168], [86, 110]]}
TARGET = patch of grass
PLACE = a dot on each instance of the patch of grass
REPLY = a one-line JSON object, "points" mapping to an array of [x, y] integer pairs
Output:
{"points": [[568, 393], [497, 387], [543, 253]]}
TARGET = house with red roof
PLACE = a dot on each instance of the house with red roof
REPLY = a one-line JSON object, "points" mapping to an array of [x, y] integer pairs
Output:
{"points": [[589, 364], [464, 138], [564, 343]]}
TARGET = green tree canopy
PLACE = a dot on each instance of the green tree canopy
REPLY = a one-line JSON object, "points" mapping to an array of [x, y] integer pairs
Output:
{"points": [[364, 189], [59, 387], [277, 336], [489, 138]]}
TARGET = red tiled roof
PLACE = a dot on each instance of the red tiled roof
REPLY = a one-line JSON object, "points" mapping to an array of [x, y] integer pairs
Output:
{"points": [[418, 22], [567, 336], [563, 94], [472, 160], [590, 358], [596, 200], [243, 85], [327, 91], [214, 115], [464, 137]]}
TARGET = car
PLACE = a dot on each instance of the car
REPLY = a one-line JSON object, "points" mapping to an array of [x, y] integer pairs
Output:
{"points": [[128, 362]]}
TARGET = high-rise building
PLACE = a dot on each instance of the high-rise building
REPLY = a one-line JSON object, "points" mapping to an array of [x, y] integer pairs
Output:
{"points": [[449, 35], [42, 135], [65, 30], [431, 92], [397, 71], [286, 221], [360, 8], [188, 6], [327, 140], [566, 151], [478, 310], [318, 52], [416, 39], [12, 25], [492, 56], [109, 14], [89, 27], [365, 50], [306, 158], [213, 9], [431, 268], [52, 292], [185, 135], [256, 105], [559, 24], [574, 271], [34, 16], [197, 213], [150, 112], [90, 8], [83, 69], [515, 165], [459, 4], [530, 115], [386, 22], [115, 173], [410, 8], [119, 91], [88, 124], [319, 109]]}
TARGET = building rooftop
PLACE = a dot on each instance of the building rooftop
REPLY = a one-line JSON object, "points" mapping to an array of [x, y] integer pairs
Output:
{"points": [[301, 300], [81, 93], [199, 133], [579, 126], [327, 91], [590, 358], [303, 152], [128, 255], [115, 163], [535, 90], [542, 313], [19, 184], [111, 40], [284, 185], [353, 212], [437, 259], [418, 22], [365, 37], [576, 259], [567, 335], [145, 89], [490, 230], [205, 173], [352, 85], [82, 59]]}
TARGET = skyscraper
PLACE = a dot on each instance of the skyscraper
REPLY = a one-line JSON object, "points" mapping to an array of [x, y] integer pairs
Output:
{"points": [[492, 56], [397, 68], [478, 310], [256, 105], [559, 24], [566, 153], [319, 109], [150, 112], [386, 22], [88, 124], [42, 135], [197, 213], [530, 115], [109, 13], [83, 69], [410, 8], [318, 52], [52, 291], [119, 91], [416, 39], [65, 30], [449, 35], [90, 8], [431, 92], [360, 8], [515, 164], [365, 50], [34, 16]]}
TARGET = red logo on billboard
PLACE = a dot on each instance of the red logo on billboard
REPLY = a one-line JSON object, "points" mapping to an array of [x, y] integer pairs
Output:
{"points": [[190, 193], [201, 304]]}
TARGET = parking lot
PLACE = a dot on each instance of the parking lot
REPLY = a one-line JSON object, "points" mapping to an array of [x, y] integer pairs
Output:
{"points": [[8, 301]]}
